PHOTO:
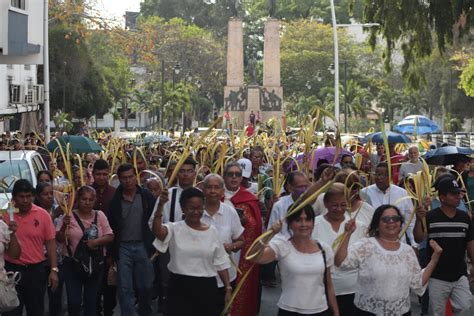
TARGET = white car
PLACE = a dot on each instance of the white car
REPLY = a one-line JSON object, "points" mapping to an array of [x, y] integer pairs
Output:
{"points": [[18, 164]]}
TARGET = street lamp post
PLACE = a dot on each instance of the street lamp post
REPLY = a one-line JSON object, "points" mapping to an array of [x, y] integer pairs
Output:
{"points": [[332, 71], [177, 69]]}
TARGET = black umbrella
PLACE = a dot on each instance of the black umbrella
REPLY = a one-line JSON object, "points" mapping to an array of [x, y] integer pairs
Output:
{"points": [[448, 155]]}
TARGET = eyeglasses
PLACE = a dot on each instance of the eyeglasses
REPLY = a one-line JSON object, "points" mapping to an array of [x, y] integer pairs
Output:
{"points": [[391, 219], [233, 174]]}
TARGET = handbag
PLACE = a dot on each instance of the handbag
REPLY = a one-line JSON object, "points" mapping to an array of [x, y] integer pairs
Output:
{"points": [[8, 295]]}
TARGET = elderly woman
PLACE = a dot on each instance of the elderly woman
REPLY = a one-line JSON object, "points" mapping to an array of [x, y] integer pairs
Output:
{"points": [[197, 256], [246, 301], [387, 268], [94, 226], [328, 228], [305, 266], [226, 220]]}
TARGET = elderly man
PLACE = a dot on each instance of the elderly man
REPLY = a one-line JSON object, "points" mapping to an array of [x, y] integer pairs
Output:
{"points": [[413, 165], [382, 192]]}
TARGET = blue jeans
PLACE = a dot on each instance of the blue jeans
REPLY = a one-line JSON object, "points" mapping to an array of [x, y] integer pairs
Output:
{"points": [[80, 290], [134, 270]]}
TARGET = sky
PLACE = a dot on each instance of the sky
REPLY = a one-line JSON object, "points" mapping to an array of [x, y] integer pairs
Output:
{"points": [[117, 8]]}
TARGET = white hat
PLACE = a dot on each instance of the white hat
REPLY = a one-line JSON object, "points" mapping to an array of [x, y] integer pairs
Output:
{"points": [[246, 166]]}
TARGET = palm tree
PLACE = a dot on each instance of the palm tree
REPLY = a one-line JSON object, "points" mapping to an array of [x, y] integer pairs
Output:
{"points": [[63, 120]]}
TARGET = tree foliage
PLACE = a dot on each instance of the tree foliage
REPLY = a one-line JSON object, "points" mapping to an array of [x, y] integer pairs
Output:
{"points": [[467, 79], [416, 27]]}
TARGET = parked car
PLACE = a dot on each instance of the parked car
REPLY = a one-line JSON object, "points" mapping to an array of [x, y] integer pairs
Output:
{"points": [[18, 164]]}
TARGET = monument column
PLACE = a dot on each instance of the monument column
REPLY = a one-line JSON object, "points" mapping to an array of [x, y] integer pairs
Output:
{"points": [[235, 53], [271, 54], [272, 90], [234, 92]]}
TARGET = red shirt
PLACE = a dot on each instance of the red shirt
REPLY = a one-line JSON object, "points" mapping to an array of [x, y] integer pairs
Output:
{"points": [[396, 160], [103, 198], [34, 229]]}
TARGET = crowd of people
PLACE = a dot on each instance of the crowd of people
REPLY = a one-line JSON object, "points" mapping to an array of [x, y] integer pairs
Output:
{"points": [[176, 230]]}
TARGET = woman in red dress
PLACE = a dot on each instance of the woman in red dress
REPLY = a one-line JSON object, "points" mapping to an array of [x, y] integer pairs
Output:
{"points": [[246, 302]]}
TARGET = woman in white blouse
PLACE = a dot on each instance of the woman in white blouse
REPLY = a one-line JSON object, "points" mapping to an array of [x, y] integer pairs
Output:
{"points": [[387, 268], [305, 266], [197, 256]]}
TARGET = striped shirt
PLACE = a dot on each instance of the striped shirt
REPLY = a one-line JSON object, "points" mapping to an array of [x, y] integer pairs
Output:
{"points": [[452, 234]]}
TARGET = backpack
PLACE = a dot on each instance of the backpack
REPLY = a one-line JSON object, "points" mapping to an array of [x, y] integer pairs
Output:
{"points": [[85, 261]]}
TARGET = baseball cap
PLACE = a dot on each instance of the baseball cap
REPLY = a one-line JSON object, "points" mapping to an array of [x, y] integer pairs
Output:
{"points": [[447, 184], [246, 166]]}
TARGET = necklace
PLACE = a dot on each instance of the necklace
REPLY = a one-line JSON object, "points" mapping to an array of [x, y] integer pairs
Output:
{"points": [[389, 241]]}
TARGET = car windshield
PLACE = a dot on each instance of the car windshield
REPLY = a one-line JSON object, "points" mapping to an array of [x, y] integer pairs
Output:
{"points": [[12, 170]]}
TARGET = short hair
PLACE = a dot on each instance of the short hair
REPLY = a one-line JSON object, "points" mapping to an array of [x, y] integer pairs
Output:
{"points": [[22, 186], [334, 190], [382, 165], [40, 187], [290, 178], [100, 164], [47, 172], [214, 176], [230, 165], [345, 155], [123, 168], [319, 171], [85, 189], [308, 210], [374, 224], [189, 194], [190, 161]]}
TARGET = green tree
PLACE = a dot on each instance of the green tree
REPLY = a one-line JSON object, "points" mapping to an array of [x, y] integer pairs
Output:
{"points": [[414, 26], [467, 79]]}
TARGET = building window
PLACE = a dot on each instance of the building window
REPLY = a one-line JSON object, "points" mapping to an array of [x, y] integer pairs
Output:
{"points": [[19, 4], [27, 67]]}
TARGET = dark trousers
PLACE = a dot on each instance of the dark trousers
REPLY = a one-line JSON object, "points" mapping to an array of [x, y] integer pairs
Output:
{"points": [[282, 312], [192, 296], [425, 299], [81, 290], [55, 297], [346, 304], [107, 297], [30, 289], [360, 312]]}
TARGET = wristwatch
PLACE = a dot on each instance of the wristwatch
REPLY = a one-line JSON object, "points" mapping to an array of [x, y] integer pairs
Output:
{"points": [[55, 269]]}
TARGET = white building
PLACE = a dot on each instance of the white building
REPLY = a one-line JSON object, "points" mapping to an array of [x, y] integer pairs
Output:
{"points": [[21, 49]]}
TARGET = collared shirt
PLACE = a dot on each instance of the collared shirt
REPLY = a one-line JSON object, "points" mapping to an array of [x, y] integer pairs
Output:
{"points": [[279, 211], [178, 213], [103, 198], [132, 213], [394, 195], [34, 229], [229, 228]]}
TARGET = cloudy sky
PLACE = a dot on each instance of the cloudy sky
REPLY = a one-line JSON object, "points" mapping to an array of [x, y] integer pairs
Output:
{"points": [[117, 8]]}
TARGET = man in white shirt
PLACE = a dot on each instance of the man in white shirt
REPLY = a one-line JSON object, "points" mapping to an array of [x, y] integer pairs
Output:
{"points": [[227, 222], [382, 192], [413, 165], [172, 210]]}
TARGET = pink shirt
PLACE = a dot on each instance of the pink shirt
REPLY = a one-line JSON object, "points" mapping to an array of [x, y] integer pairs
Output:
{"points": [[34, 229], [74, 232]]}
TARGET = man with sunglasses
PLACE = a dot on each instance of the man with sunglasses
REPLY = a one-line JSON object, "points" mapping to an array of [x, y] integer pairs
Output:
{"points": [[452, 229], [383, 192]]}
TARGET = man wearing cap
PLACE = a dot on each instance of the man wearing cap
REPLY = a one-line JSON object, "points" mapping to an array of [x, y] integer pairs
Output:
{"points": [[246, 166], [452, 229]]}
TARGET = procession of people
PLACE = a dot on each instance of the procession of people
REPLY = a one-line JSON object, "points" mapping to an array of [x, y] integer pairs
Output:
{"points": [[198, 225]]}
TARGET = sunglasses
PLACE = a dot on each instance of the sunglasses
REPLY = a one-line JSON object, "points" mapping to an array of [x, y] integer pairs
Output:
{"points": [[233, 174], [391, 219]]}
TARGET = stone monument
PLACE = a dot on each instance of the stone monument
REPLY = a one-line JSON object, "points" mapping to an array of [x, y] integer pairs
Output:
{"points": [[240, 99]]}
